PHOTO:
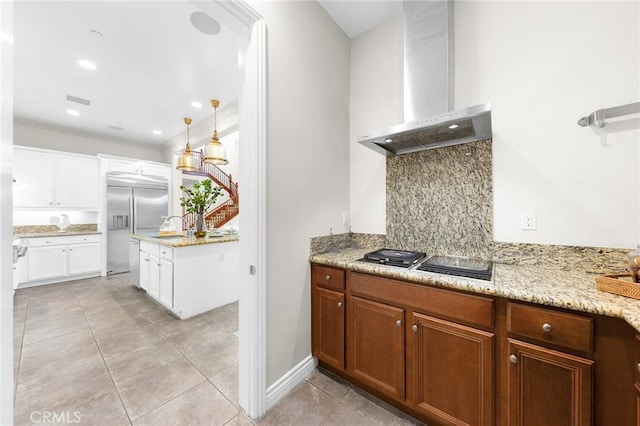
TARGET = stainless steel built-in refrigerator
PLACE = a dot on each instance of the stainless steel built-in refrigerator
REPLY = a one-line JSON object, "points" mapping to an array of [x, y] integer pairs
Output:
{"points": [[135, 205]]}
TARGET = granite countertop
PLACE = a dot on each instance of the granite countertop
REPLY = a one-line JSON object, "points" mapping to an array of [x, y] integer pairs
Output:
{"points": [[17, 235], [575, 290], [186, 241]]}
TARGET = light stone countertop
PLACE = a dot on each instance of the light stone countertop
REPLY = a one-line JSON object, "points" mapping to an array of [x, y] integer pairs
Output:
{"points": [[186, 241], [575, 290], [52, 234]]}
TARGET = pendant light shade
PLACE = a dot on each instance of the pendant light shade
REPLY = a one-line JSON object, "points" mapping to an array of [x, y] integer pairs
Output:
{"points": [[214, 151], [189, 160]]}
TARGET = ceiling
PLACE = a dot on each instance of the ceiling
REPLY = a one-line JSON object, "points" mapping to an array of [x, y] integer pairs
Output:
{"points": [[356, 17], [151, 64]]}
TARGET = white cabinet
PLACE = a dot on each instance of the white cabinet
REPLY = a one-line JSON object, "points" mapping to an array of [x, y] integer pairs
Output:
{"points": [[56, 259], [83, 258], [139, 167], [156, 272], [46, 262], [166, 282], [52, 180]]}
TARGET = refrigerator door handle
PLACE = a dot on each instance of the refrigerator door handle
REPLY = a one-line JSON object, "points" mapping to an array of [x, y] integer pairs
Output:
{"points": [[132, 213]]}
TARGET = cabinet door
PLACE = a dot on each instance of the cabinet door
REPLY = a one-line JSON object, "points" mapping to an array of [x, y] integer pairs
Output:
{"points": [[144, 271], [46, 262], [154, 277], [34, 179], [375, 345], [452, 371], [547, 387], [166, 283], [84, 258], [78, 182], [153, 170], [328, 326], [126, 166]]}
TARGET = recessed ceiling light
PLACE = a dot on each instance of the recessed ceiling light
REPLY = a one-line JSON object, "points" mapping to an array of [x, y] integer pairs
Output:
{"points": [[204, 23], [453, 126], [88, 65], [387, 140], [73, 112], [196, 104], [95, 34], [157, 132]]}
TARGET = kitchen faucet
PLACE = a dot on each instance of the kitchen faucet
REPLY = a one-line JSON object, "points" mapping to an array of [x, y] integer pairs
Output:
{"points": [[184, 222]]}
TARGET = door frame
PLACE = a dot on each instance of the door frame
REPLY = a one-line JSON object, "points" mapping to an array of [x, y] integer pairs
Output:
{"points": [[250, 26]]}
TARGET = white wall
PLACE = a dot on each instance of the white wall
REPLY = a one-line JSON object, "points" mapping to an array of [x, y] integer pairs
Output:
{"points": [[307, 163], [60, 140], [543, 65], [376, 103]]}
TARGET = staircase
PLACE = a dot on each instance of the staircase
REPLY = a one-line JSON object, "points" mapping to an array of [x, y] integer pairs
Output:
{"points": [[222, 213]]}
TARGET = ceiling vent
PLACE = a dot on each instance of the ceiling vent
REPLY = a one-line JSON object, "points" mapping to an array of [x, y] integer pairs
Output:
{"points": [[78, 100]]}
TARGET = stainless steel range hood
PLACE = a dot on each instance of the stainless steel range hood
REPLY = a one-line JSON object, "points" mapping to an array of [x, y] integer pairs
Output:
{"points": [[429, 119]]}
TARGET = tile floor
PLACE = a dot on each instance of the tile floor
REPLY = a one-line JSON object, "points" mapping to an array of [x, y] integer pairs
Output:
{"points": [[99, 352]]}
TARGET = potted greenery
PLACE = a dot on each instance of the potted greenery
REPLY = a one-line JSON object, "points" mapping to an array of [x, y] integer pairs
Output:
{"points": [[197, 200]]}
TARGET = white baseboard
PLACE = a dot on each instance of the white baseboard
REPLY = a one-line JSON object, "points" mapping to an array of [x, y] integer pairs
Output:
{"points": [[289, 381]]}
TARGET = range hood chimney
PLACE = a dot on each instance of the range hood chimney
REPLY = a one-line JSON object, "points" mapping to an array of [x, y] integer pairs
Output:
{"points": [[430, 120]]}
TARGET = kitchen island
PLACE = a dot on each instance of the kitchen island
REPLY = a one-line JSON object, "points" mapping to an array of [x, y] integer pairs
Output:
{"points": [[189, 275]]}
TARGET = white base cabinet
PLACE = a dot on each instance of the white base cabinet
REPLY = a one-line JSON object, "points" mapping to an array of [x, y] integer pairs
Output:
{"points": [[56, 259], [190, 280]]}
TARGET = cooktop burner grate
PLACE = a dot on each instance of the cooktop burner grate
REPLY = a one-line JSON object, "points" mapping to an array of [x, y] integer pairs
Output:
{"points": [[458, 266], [400, 258]]}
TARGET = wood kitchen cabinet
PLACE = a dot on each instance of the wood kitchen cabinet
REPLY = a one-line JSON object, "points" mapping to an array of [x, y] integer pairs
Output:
{"points": [[548, 387], [375, 345], [452, 371], [328, 316]]}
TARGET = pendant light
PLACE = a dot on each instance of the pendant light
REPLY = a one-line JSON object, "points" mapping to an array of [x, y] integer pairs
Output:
{"points": [[214, 151], [190, 160]]}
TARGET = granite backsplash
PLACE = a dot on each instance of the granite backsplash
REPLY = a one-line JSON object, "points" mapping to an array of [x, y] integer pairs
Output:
{"points": [[46, 229]]}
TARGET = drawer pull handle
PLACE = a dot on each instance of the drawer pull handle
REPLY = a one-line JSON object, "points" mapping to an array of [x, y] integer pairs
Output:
{"points": [[327, 277], [638, 367], [399, 323], [513, 359], [339, 304], [414, 327], [547, 327]]}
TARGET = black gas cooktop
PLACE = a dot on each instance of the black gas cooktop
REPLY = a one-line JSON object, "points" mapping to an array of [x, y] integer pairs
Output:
{"points": [[448, 265], [400, 258]]}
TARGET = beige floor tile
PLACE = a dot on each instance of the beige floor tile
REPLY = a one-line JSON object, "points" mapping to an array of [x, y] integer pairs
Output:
{"points": [[377, 412], [39, 371], [343, 415], [116, 344], [200, 327], [329, 383], [198, 337], [44, 349], [227, 382], [305, 405], [53, 329], [141, 359], [90, 392], [202, 405], [226, 316], [239, 420], [40, 315], [215, 356], [147, 391]]}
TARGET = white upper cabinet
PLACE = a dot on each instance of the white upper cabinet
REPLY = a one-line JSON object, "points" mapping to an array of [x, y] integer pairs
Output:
{"points": [[139, 167], [47, 179]]}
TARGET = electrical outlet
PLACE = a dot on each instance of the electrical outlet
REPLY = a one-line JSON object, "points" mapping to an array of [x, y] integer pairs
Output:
{"points": [[528, 221]]}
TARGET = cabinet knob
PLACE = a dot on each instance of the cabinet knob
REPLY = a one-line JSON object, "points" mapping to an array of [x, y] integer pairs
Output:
{"points": [[513, 359], [50, 203], [547, 327], [399, 323], [414, 327], [638, 367], [339, 304], [327, 277]]}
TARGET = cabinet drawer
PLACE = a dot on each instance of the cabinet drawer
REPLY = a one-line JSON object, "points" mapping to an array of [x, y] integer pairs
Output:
{"points": [[546, 325], [150, 248], [63, 240], [327, 277], [166, 253], [447, 304]]}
